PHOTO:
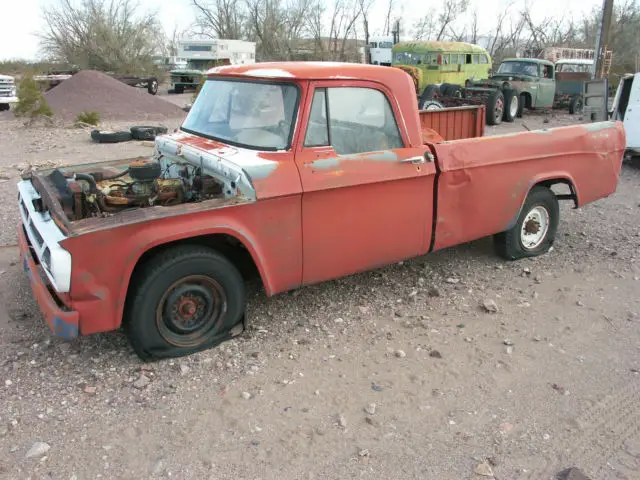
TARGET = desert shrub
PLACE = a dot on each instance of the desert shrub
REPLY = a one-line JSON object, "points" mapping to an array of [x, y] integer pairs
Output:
{"points": [[31, 102], [90, 118]]}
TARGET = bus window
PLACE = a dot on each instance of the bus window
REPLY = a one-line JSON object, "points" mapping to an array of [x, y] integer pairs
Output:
{"points": [[468, 58], [483, 59], [476, 59], [445, 59], [454, 59]]}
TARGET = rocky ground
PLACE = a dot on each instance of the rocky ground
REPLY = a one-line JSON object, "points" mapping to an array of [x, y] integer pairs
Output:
{"points": [[452, 366]]}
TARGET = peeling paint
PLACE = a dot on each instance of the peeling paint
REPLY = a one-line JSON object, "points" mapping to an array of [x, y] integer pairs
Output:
{"points": [[599, 126], [269, 73], [383, 156]]}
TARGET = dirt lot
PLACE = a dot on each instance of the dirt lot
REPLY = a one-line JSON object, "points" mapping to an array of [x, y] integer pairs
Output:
{"points": [[392, 374]]}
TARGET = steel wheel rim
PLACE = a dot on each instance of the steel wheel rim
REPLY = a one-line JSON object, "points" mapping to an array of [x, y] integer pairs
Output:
{"points": [[154, 86], [499, 108], [514, 106], [534, 228], [190, 310]]}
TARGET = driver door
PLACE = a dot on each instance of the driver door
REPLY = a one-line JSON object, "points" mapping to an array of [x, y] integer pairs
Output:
{"points": [[367, 196]]}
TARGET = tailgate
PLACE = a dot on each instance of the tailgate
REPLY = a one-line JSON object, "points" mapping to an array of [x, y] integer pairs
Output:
{"points": [[455, 123]]}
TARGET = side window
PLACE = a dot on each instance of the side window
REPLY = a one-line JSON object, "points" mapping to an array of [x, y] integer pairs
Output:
{"points": [[468, 58], [445, 59], [454, 59], [476, 59], [361, 120], [317, 130], [483, 59]]}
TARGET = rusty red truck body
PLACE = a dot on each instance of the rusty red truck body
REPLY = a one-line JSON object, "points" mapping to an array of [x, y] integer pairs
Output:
{"points": [[306, 171]]}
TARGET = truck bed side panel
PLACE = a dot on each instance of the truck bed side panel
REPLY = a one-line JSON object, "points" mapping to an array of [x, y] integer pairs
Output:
{"points": [[484, 181], [269, 229]]}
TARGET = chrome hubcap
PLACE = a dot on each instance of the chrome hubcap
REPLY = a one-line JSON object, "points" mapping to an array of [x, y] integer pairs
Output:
{"points": [[534, 228]]}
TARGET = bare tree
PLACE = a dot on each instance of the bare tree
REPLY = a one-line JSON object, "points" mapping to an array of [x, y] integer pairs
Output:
{"points": [[435, 26], [364, 13], [220, 18], [387, 19], [109, 35], [344, 15]]}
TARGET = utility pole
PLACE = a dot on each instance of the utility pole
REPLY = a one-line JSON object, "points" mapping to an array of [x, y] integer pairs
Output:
{"points": [[602, 39]]}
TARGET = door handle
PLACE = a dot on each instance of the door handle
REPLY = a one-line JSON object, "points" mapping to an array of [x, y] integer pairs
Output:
{"points": [[418, 160]]}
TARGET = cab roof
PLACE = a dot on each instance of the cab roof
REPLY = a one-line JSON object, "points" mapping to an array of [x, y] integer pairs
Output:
{"points": [[310, 71], [444, 47], [530, 60]]}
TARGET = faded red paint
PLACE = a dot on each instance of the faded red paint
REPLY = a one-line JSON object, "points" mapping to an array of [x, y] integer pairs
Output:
{"points": [[319, 215]]}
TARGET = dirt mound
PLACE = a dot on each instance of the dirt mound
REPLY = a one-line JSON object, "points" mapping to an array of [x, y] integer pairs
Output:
{"points": [[90, 90]]}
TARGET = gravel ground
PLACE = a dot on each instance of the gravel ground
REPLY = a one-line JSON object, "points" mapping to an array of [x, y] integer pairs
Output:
{"points": [[396, 373]]}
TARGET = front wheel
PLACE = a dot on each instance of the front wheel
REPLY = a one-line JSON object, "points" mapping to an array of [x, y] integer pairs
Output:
{"points": [[535, 229], [152, 86], [184, 300], [512, 105], [576, 104]]}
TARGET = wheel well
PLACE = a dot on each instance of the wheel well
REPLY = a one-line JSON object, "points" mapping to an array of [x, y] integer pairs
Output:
{"points": [[528, 101], [227, 245], [561, 195]]}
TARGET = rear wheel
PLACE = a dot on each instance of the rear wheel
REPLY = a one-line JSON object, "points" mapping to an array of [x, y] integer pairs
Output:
{"points": [[535, 230], [186, 299], [495, 108], [178, 89]]}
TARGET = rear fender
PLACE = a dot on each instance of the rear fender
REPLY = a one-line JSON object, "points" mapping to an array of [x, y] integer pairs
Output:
{"points": [[547, 179]]}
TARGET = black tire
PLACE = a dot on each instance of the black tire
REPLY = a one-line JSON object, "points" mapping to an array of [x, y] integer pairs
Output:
{"points": [[576, 105], [521, 104], [509, 244], [157, 333], [454, 91], [495, 108], [444, 87], [178, 89], [110, 137], [428, 94], [147, 132], [4, 107], [511, 105], [152, 86]]}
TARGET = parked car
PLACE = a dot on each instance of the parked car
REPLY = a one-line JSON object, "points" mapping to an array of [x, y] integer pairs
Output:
{"points": [[301, 172]]}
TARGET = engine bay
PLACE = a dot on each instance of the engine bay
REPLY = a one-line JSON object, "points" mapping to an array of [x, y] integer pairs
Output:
{"points": [[106, 190]]}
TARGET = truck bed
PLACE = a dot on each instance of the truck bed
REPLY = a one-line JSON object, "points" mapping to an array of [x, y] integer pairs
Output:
{"points": [[453, 123]]}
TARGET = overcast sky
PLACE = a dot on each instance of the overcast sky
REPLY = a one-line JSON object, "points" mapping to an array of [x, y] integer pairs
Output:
{"points": [[17, 38]]}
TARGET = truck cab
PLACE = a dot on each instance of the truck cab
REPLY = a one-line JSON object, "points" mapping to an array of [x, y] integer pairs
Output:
{"points": [[8, 92]]}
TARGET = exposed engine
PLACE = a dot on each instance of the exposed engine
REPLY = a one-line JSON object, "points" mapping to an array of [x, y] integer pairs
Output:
{"points": [[142, 184]]}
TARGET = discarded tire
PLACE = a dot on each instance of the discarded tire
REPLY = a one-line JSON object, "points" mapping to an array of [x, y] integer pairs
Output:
{"points": [[152, 86], [147, 132], [110, 137]]}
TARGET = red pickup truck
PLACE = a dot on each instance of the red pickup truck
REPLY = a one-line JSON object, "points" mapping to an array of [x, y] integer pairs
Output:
{"points": [[306, 171]]}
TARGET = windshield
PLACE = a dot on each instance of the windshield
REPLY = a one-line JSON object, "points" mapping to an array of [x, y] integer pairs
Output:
{"points": [[256, 115], [519, 68]]}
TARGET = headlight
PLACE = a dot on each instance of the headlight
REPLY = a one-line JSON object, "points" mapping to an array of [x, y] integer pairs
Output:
{"points": [[14, 92], [60, 268]]}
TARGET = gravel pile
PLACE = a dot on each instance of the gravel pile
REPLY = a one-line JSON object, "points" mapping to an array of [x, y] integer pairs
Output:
{"points": [[90, 90]]}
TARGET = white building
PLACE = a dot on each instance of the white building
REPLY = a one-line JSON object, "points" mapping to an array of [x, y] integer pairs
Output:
{"points": [[237, 52]]}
